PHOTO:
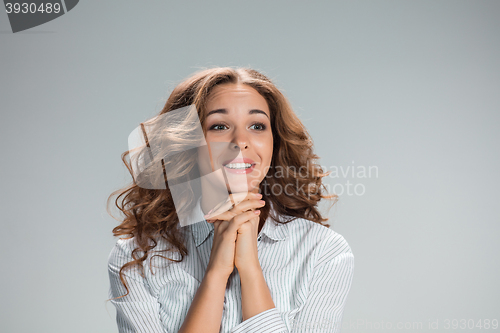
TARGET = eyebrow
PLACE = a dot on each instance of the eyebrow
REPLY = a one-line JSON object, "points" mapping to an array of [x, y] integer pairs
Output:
{"points": [[224, 111]]}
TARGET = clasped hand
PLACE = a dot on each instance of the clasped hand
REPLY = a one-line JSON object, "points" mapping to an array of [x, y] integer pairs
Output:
{"points": [[235, 237]]}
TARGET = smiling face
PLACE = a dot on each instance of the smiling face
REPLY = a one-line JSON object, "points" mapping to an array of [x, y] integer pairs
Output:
{"points": [[236, 114]]}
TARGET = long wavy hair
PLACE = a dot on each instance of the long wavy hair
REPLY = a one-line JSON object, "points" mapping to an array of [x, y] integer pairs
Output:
{"points": [[150, 213]]}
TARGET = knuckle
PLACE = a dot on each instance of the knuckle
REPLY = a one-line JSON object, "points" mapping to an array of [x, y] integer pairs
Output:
{"points": [[242, 218], [252, 213]]}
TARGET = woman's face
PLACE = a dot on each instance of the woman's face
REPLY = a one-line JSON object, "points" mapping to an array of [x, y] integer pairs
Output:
{"points": [[238, 119]]}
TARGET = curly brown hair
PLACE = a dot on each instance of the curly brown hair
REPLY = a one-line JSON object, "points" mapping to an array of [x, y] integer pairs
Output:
{"points": [[150, 213]]}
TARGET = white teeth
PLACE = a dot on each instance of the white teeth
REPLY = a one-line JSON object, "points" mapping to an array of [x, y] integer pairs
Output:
{"points": [[238, 165]]}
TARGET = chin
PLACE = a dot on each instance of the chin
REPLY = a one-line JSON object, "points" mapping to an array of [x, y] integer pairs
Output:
{"points": [[248, 187], [239, 188]]}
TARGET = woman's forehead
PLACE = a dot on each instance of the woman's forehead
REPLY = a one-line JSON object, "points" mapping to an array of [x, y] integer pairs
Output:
{"points": [[228, 96]]}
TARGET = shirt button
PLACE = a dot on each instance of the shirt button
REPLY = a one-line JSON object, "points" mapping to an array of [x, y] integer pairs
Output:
{"points": [[259, 238]]}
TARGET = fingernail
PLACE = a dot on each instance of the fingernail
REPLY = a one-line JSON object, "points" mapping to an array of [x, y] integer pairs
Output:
{"points": [[257, 212], [262, 202], [258, 195]]}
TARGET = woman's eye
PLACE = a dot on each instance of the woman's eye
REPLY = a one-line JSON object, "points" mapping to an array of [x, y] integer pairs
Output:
{"points": [[260, 126], [217, 127], [221, 127]]}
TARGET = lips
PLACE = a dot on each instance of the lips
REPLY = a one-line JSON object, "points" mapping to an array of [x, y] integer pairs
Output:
{"points": [[239, 160]]}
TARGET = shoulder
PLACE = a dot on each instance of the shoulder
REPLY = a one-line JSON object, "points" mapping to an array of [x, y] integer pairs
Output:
{"points": [[121, 253], [326, 242], [123, 248]]}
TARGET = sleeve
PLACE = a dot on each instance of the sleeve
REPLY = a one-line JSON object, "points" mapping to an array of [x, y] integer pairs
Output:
{"points": [[328, 291], [139, 310], [323, 309], [268, 321]]}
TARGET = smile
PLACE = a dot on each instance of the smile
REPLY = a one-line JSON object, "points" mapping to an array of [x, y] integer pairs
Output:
{"points": [[239, 166]]}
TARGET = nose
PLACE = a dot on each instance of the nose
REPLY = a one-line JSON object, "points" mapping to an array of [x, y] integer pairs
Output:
{"points": [[240, 140]]}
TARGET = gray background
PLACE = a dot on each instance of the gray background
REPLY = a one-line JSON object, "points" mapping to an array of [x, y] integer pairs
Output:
{"points": [[411, 87]]}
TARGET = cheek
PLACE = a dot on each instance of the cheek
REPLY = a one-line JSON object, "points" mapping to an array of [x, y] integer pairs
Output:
{"points": [[264, 147]]}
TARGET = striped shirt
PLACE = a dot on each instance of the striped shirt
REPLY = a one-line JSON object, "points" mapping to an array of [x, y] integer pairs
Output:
{"points": [[307, 267]]}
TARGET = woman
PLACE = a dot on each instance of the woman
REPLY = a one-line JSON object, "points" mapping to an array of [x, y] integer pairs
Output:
{"points": [[266, 263]]}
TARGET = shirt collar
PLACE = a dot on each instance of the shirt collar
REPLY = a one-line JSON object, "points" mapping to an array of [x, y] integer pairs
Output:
{"points": [[201, 229]]}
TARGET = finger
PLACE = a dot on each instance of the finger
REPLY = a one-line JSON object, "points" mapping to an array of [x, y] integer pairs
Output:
{"points": [[219, 208], [240, 208], [242, 218], [247, 205], [217, 226], [232, 200], [238, 197]]}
